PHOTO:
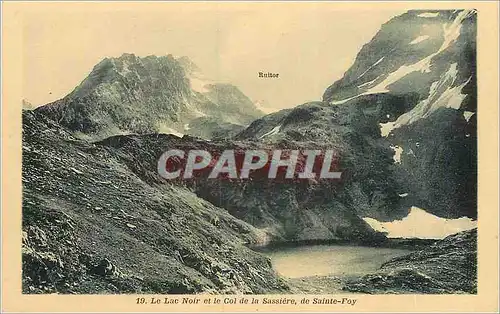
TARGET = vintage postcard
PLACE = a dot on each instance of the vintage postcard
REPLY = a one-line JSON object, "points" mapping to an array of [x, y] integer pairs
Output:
{"points": [[250, 156]]}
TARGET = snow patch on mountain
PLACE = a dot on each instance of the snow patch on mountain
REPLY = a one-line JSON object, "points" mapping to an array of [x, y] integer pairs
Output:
{"points": [[386, 128], [451, 33], [451, 98], [422, 66], [419, 39], [369, 82], [441, 94], [421, 224], [371, 67], [339, 102]]}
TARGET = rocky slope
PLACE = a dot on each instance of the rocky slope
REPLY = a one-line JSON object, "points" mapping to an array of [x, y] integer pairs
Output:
{"points": [[130, 94], [448, 266], [91, 225], [431, 55], [427, 161], [288, 211], [410, 94], [26, 105]]}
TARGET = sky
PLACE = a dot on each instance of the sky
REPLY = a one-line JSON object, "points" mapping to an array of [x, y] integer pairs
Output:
{"points": [[310, 45]]}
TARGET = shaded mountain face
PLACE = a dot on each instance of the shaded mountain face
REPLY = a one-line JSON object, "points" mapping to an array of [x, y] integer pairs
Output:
{"points": [[430, 53], [286, 211], [402, 121], [410, 95], [130, 94], [91, 225]]}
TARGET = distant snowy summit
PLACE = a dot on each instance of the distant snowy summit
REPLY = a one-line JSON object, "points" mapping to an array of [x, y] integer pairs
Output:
{"points": [[132, 94], [422, 225], [431, 54]]}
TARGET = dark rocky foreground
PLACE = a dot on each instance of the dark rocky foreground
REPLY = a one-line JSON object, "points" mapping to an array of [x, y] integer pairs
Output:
{"points": [[448, 266], [91, 225]]}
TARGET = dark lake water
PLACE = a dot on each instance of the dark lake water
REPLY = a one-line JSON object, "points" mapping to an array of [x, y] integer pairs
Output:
{"points": [[325, 260]]}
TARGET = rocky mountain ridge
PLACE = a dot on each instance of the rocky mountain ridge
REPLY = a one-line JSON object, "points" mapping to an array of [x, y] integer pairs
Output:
{"points": [[411, 89], [447, 266], [153, 94]]}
